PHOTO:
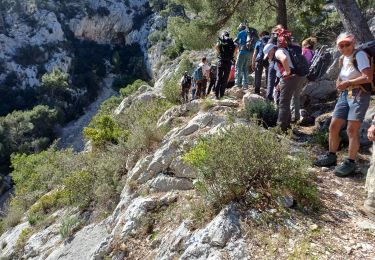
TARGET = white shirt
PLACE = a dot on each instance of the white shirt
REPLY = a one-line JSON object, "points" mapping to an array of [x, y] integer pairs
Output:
{"points": [[277, 53], [348, 70], [205, 70]]}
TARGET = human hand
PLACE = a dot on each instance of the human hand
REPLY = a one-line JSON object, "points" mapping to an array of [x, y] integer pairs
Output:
{"points": [[371, 133], [342, 85]]}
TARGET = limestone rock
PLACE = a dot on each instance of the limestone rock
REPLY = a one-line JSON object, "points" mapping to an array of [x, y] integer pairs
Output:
{"points": [[206, 243], [317, 91], [9, 239], [83, 244], [164, 183], [248, 98], [180, 169], [174, 243], [235, 92]]}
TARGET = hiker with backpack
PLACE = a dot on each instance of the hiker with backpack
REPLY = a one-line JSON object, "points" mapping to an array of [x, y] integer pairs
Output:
{"points": [[213, 75], [185, 87], [225, 48], [243, 42], [200, 76], [354, 84], [308, 46], [292, 67], [258, 62]]}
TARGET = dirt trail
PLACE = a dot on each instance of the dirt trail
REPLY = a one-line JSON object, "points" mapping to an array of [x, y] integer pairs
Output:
{"points": [[71, 135]]}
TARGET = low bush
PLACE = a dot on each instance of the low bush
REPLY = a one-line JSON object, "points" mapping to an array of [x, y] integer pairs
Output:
{"points": [[68, 224], [157, 36], [263, 111], [79, 187], [243, 160], [131, 88], [140, 120], [103, 130]]}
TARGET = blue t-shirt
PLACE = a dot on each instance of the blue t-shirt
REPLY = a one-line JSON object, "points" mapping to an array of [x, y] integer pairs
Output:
{"points": [[259, 45], [242, 37]]}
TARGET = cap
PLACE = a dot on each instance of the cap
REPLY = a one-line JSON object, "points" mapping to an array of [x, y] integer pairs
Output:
{"points": [[225, 34], [267, 49], [346, 38], [241, 27]]}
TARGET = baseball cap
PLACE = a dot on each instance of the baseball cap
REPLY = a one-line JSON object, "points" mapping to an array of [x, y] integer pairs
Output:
{"points": [[267, 49]]}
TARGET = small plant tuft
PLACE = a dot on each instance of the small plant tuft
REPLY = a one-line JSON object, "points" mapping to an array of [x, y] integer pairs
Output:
{"points": [[264, 111]]}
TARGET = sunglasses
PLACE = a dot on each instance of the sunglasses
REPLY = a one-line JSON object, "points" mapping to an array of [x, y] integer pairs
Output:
{"points": [[343, 45]]}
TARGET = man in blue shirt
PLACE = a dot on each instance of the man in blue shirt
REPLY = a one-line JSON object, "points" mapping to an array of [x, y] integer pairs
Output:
{"points": [[242, 62], [258, 62]]}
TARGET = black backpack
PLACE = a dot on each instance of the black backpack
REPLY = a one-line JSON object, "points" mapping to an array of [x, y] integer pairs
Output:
{"points": [[301, 66], [213, 71], [226, 48], [186, 82], [319, 64], [369, 48]]}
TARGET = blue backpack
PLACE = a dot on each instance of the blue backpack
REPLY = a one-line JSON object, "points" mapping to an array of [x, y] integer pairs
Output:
{"points": [[198, 74]]}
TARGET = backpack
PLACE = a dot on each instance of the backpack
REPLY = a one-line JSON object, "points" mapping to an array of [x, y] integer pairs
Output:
{"points": [[186, 82], [369, 48], [198, 74], [319, 64], [301, 66], [226, 49], [213, 72], [262, 43], [250, 39]]}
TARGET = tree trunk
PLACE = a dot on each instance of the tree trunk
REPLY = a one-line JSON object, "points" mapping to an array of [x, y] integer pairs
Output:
{"points": [[353, 20], [281, 14]]}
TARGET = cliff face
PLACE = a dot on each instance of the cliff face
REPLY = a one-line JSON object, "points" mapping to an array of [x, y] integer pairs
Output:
{"points": [[39, 36]]}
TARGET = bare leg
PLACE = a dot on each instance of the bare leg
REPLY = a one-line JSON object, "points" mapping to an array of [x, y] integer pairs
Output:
{"points": [[334, 134], [353, 133]]}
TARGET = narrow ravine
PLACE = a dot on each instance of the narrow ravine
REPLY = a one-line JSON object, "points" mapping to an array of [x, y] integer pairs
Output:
{"points": [[71, 135]]}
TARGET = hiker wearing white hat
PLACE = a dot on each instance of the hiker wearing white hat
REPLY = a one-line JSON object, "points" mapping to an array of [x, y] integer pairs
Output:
{"points": [[289, 82]]}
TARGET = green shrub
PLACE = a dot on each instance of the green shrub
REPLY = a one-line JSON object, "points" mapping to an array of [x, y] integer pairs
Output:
{"points": [[79, 187], [102, 130], [173, 51], [13, 217], [157, 36], [45, 205], [131, 88], [172, 90], [140, 120], [243, 159], [262, 110]]}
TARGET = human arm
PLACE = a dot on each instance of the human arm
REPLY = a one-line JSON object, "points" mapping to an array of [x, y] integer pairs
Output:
{"points": [[363, 65], [281, 56]]}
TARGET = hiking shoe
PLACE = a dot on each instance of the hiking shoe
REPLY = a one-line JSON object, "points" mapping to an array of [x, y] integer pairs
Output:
{"points": [[326, 160], [345, 169]]}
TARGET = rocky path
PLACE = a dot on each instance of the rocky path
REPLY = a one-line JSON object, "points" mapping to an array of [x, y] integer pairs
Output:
{"points": [[71, 135]]}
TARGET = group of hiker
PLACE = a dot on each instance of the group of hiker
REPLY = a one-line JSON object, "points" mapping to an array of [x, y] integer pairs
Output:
{"points": [[288, 67]]}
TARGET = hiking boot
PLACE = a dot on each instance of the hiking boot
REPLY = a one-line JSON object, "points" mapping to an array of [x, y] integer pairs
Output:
{"points": [[326, 160], [345, 169]]}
